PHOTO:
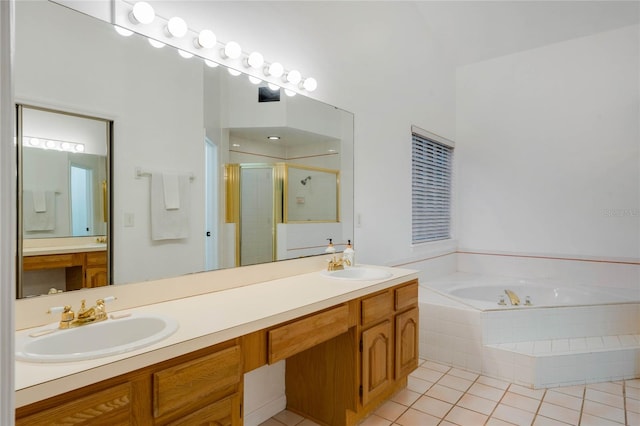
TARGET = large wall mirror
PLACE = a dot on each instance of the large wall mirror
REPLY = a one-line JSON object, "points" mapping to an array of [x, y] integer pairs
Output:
{"points": [[182, 134]]}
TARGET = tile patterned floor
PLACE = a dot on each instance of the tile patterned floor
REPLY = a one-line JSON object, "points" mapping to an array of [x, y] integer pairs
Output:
{"points": [[445, 396]]}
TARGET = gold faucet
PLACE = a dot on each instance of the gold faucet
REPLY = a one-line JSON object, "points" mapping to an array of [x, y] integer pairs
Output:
{"points": [[513, 298], [336, 264], [101, 240], [84, 316]]}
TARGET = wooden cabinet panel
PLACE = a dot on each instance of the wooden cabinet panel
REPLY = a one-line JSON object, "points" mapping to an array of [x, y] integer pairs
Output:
{"points": [[96, 258], [225, 412], [376, 308], [406, 330], [96, 277], [407, 296], [303, 334], [377, 350], [51, 261], [110, 407], [187, 385]]}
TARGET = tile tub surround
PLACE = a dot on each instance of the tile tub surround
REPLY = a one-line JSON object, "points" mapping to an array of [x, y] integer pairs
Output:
{"points": [[536, 347], [438, 394], [231, 312]]}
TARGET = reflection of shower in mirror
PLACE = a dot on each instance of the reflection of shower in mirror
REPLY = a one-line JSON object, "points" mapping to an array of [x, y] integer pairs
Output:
{"points": [[305, 180]]}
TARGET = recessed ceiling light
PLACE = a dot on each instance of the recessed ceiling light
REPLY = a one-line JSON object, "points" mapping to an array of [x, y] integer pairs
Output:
{"points": [[273, 138]]}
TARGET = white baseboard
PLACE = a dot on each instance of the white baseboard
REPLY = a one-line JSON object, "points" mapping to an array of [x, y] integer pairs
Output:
{"points": [[265, 412]]}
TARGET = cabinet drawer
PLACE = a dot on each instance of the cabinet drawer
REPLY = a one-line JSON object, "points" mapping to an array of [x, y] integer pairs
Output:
{"points": [[225, 412], [303, 334], [30, 263], [406, 296], [108, 407], [96, 258], [190, 384], [376, 307]]}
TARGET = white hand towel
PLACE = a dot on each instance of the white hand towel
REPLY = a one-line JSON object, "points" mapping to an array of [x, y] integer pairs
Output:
{"points": [[38, 221], [169, 224], [39, 202], [171, 191]]}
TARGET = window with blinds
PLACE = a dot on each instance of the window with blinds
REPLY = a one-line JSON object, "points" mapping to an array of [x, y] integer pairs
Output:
{"points": [[432, 164]]}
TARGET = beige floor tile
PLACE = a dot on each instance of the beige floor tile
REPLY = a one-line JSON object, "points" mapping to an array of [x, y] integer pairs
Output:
{"points": [[497, 422], [633, 393], [476, 403], [390, 410], [462, 416], [418, 385], [635, 383], [436, 366], [545, 421], [271, 422], [531, 393], [413, 417], [463, 374], [589, 420], [520, 401], [307, 422], [446, 423], [490, 381], [633, 405], [563, 400], [602, 410], [513, 415], [432, 406], [456, 383], [444, 393], [633, 418], [577, 391], [484, 391], [610, 387], [406, 397], [374, 420], [288, 418], [427, 374], [604, 398], [559, 413]]}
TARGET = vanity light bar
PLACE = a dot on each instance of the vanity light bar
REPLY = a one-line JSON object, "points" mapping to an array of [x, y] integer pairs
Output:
{"points": [[32, 142], [175, 31]]}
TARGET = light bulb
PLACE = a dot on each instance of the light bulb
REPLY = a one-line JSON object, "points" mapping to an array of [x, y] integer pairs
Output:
{"points": [[232, 50], [254, 60], [185, 54], [310, 84], [254, 80], [34, 142], [142, 13], [206, 39], [289, 92], [79, 147], [176, 27], [211, 64], [65, 146], [273, 87], [50, 144], [233, 72], [275, 69], [123, 31], [293, 77], [155, 43]]}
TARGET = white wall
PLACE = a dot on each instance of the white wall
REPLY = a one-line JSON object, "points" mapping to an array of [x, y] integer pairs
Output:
{"points": [[548, 150]]}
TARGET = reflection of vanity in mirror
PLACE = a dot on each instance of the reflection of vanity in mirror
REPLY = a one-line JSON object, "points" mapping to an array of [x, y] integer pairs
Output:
{"points": [[176, 116]]}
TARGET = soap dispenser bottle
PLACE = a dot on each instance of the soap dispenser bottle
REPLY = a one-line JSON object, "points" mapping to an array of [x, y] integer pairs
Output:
{"points": [[330, 248], [348, 254]]}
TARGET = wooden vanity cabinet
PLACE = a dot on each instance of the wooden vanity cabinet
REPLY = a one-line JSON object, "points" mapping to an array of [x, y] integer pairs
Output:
{"points": [[203, 387], [82, 269], [96, 272]]}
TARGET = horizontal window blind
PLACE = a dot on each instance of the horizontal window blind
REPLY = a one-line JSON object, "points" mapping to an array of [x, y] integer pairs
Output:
{"points": [[432, 164]]}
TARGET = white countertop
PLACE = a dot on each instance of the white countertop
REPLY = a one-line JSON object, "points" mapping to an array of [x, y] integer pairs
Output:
{"points": [[204, 320], [64, 249]]}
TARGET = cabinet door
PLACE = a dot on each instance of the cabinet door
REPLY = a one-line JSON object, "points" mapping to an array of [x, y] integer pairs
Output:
{"points": [[225, 412], [406, 342], [377, 369], [96, 277]]}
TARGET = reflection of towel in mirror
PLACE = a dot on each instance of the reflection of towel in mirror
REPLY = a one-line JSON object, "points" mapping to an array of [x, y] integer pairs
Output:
{"points": [[39, 211], [167, 221]]}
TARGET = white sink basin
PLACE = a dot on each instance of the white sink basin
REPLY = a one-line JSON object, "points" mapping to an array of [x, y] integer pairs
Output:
{"points": [[110, 337], [358, 273]]}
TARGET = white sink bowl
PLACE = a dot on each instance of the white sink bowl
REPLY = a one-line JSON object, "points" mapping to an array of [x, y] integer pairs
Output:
{"points": [[110, 337], [358, 273]]}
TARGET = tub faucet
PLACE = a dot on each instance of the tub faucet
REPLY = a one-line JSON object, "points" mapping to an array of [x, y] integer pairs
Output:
{"points": [[513, 298]]}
